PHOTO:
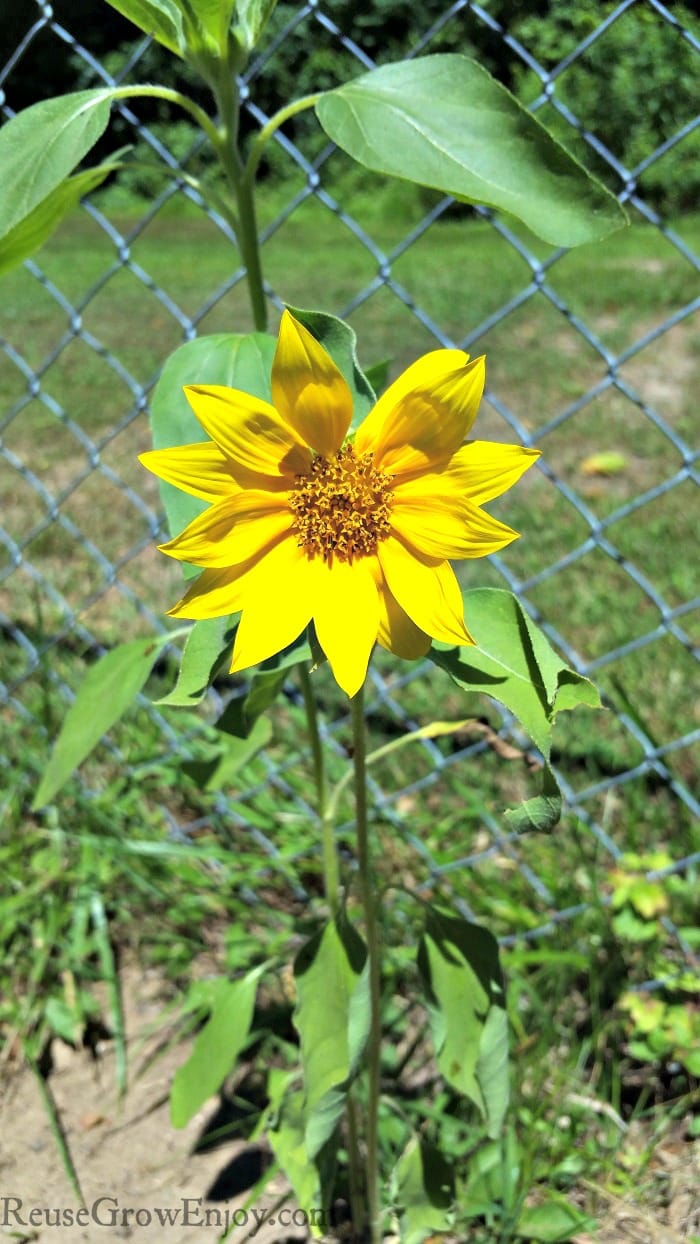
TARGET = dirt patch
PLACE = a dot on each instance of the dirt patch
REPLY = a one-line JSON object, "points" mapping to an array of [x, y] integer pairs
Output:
{"points": [[665, 372], [141, 1180], [667, 1208]]}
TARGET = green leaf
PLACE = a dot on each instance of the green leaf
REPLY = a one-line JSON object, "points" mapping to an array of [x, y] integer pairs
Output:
{"points": [[514, 663], [160, 18], [493, 1178], [253, 16], [41, 145], [267, 681], [67, 1022], [310, 1179], [332, 1019], [206, 647], [108, 689], [649, 898], [30, 234], [554, 1222], [242, 361], [216, 1047], [460, 967], [339, 340], [646, 1011], [541, 813], [632, 928], [423, 1191], [206, 29], [228, 757], [444, 122], [377, 375]]}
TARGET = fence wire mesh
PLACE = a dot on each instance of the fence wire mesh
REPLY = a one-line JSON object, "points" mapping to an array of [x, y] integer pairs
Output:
{"points": [[66, 577]]}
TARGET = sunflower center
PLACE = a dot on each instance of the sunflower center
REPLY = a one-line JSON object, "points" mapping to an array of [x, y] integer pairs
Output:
{"points": [[341, 506]]}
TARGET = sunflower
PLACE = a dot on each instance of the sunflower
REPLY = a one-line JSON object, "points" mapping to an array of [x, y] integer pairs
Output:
{"points": [[356, 535]]}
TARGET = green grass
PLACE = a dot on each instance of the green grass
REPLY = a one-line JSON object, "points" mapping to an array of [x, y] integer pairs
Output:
{"points": [[108, 837]]}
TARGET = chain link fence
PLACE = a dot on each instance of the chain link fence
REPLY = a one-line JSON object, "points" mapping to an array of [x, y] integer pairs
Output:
{"points": [[62, 582]]}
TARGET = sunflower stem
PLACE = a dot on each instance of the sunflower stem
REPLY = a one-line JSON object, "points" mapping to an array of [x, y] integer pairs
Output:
{"points": [[263, 137], [331, 882], [241, 185], [374, 951], [357, 1209], [331, 885], [249, 245]]}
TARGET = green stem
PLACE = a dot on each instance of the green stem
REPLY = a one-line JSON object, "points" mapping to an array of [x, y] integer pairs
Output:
{"points": [[249, 246], [245, 196], [331, 885], [373, 949], [357, 1208], [432, 731], [173, 97], [261, 139], [331, 879], [242, 189]]}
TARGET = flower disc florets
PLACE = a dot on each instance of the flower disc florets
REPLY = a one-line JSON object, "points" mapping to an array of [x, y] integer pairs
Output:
{"points": [[341, 506]]}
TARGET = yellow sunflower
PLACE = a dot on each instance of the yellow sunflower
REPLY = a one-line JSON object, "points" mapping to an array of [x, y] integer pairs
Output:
{"points": [[355, 535]]}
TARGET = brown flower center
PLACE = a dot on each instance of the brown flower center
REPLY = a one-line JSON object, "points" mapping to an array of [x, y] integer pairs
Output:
{"points": [[341, 506]]}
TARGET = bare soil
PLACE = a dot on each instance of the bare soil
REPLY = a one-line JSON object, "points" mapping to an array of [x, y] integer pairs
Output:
{"points": [[130, 1161]]}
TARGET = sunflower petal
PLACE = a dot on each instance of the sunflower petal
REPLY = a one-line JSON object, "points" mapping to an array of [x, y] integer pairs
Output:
{"points": [[397, 632], [429, 425], [346, 617], [420, 375], [426, 589], [444, 527], [249, 432], [277, 606], [482, 470], [201, 469], [233, 530], [308, 390], [215, 594]]}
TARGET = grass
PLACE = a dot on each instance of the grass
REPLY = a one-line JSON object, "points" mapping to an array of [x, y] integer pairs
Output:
{"points": [[108, 835]]}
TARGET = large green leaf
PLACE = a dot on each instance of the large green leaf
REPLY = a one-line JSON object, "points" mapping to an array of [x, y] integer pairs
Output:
{"points": [[242, 361], [332, 1018], [43, 144], [311, 1179], [26, 237], [106, 692], [444, 122], [514, 663], [160, 18], [206, 647], [340, 341], [423, 1192], [460, 967], [216, 1046]]}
